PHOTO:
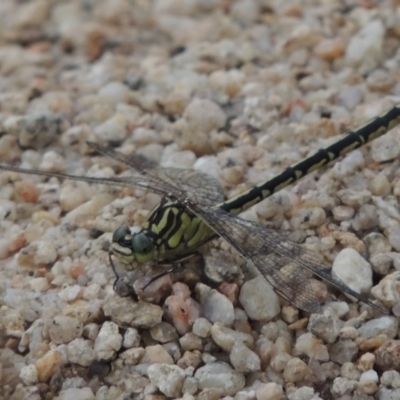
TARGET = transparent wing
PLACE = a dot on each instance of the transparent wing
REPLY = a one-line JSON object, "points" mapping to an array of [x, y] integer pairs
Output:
{"points": [[277, 259], [132, 181], [182, 183]]}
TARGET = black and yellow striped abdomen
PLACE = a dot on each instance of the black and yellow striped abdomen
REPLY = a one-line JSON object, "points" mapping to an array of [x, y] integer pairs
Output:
{"points": [[374, 128]]}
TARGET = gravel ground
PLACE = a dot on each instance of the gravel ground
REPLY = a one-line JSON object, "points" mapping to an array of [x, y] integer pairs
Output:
{"points": [[240, 90]]}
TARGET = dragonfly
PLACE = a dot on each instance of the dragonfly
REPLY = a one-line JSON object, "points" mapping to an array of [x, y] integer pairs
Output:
{"points": [[192, 211]]}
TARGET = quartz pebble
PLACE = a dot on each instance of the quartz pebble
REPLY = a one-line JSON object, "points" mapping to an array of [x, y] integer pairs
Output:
{"points": [[243, 359], [226, 337], [127, 313], [353, 270], [296, 370], [81, 352], [368, 41], [108, 341], [167, 378], [202, 327], [217, 308], [269, 391], [312, 347], [388, 289], [64, 329], [29, 374], [259, 300], [76, 394], [220, 375], [387, 325]]}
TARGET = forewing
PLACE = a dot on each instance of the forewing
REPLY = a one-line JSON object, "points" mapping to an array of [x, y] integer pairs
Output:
{"points": [[248, 238], [279, 260], [182, 183]]}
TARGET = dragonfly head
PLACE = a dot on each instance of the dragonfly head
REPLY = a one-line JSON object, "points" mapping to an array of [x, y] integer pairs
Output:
{"points": [[132, 247]]}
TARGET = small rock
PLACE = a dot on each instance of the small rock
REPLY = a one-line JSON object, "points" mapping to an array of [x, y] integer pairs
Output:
{"points": [[303, 393], [343, 351], [65, 329], [308, 217], [367, 43], [190, 341], [296, 370], [384, 325], [80, 351], [368, 382], [181, 312], [350, 371], [112, 130], [269, 391], [220, 375], [11, 322], [243, 359], [167, 378], [366, 362], [353, 270], [189, 387], [156, 355], [108, 341], [312, 347], [29, 375], [37, 130], [127, 313], [381, 263], [163, 332], [259, 300], [342, 386], [132, 356], [380, 186], [376, 243], [131, 338], [202, 327], [391, 379], [48, 364], [324, 326], [388, 289], [226, 337], [217, 308], [343, 213], [76, 394], [190, 359], [115, 92], [388, 355]]}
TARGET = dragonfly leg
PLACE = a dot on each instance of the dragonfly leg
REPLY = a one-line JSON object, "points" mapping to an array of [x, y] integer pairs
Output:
{"points": [[122, 286], [174, 268]]}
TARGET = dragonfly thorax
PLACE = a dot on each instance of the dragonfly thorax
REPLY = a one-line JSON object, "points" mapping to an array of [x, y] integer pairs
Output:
{"points": [[132, 247]]}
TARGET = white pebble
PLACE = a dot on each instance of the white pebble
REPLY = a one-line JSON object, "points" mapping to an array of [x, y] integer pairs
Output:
{"points": [[243, 359], [269, 391], [167, 378], [108, 341], [226, 337], [259, 300], [202, 327], [366, 47], [80, 351], [312, 347], [217, 308], [76, 394], [353, 270], [29, 374], [220, 375]]}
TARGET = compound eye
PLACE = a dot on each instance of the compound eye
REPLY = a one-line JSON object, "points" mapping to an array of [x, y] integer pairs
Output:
{"points": [[141, 244], [120, 234]]}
